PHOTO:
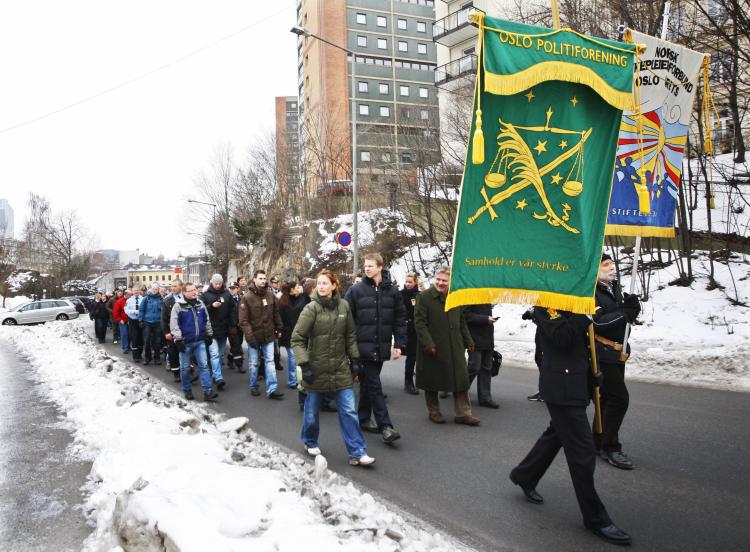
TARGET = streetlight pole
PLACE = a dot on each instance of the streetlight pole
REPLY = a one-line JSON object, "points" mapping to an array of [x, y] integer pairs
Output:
{"points": [[213, 205], [302, 31]]}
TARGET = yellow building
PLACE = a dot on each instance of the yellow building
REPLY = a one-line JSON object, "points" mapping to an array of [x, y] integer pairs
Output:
{"points": [[145, 275]]}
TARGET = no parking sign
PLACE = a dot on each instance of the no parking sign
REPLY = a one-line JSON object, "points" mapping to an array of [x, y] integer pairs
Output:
{"points": [[344, 238]]}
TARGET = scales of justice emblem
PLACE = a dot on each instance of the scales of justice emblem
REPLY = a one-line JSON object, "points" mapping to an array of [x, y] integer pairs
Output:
{"points": [[514, 166]]}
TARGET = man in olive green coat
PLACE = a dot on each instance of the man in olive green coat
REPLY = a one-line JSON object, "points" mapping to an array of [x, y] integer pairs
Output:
{"points": [[442, 339]]}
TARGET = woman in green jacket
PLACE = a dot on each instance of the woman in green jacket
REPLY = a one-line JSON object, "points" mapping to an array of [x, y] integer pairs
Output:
{"points": [[324, 343]]}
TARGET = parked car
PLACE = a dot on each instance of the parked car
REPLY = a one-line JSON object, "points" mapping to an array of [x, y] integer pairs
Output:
{"points": [[78, 304], [43, 310]]}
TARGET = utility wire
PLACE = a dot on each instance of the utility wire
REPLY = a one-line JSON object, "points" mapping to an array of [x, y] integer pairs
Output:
{"points": [[142, 75]]}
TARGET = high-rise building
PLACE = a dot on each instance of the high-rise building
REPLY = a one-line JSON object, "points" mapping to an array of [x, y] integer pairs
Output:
{"points": [[287, 147], [395, 101], [6, 220]]}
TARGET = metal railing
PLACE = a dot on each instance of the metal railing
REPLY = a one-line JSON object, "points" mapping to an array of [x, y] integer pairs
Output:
{"points": [[456, 68], [451, 22]]}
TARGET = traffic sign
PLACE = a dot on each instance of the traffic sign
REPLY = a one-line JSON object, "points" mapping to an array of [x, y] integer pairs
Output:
{"points": [[344, 238]]}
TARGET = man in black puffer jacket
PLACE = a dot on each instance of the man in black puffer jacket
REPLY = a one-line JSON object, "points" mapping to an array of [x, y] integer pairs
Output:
{"points": [[222, 310], [380, 316], [613, 312]]}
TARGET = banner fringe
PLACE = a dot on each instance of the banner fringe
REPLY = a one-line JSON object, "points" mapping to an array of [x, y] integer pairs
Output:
{"points": [[642, 231], [547, 299], [507, 85]]}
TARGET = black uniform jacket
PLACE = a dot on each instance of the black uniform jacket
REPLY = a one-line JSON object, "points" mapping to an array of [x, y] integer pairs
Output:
{"points": [[565, 371], [609, 321]]}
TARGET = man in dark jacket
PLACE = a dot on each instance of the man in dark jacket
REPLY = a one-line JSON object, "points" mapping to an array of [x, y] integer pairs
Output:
{"points": [[565, 385], [409, 294], [613, 313], [236, 357], [480, 321], [166, 312], [443, 337], [149, 314], [222, 310], [380, 316], [261, 323]]}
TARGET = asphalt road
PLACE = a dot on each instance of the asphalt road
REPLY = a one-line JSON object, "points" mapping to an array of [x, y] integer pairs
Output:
{"points": [[690, 491], [39, 482]]}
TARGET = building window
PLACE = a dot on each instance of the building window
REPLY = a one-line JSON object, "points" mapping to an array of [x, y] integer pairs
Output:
{"points": [[403, 90], [423, 93], [362, 41], [384, 88], [386, 157], [362, 19], [424, 114], [405, 113], [421, 27], [403, 46], [362, 86], [402, 24], [169, 277], [382, 21], [137, 278], [382, 44], [422, 48], [364, 109], [293, 105], [150, 278], [385, 111], [364, 156], [406, 157], [469, 51]]}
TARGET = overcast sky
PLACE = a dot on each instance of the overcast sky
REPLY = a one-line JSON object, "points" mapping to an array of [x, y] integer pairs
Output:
{"points": [[126, 158]]}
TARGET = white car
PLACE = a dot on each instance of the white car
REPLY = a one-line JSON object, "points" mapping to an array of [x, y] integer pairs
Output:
{"points": [[43, 310]]}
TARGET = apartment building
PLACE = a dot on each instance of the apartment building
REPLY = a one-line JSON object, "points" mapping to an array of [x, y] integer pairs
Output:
{"points": [[395, 101], [287, 147]]}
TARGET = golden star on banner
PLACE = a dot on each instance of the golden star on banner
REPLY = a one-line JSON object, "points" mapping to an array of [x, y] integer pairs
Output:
{"points": [[530, 95], [556, 178], [574, 101], [521, 204], [564, 144], [540, 147]]}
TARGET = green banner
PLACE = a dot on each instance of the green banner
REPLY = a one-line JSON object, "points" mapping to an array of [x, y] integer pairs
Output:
{"points": [[538, 175]]}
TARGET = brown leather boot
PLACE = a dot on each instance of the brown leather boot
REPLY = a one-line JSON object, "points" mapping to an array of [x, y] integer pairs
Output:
{"points": [[467, 420], [437, 418]]}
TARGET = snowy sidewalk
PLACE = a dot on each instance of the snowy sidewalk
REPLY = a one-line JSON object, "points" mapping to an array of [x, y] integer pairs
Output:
{"points": [[171, 475]]}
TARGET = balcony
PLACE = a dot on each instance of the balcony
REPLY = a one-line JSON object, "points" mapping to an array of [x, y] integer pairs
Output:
{"points": [[454, 28], [460, 67]]}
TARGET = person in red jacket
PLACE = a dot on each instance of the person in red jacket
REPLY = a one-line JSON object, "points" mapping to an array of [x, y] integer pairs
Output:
{"points": [[121, 320]]}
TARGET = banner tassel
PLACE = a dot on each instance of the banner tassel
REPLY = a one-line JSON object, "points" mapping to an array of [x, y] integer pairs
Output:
{"points": [[477, 145]]}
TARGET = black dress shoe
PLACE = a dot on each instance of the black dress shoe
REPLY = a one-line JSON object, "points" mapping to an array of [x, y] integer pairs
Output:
{"points": [[611, 533], [255, 392], [530, 494], [370, 427], [147, 362], [618, 459], [276, 395], [489, 404]]}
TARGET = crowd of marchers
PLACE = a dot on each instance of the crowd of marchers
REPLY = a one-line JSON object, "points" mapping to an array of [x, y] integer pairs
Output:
{"points": [[335, 338]]}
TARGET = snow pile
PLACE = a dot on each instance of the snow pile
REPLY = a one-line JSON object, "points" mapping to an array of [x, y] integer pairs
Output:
{"points": [[21, 277], [13, 302], [172, 475], [690, 336], [422, 258]]}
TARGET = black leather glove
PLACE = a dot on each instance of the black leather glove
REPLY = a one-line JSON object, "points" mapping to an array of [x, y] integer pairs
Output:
{"points": [[598, 379], [252, 342], [209, 339], [307, 373], [355, 366], [180, 345], [528, 314]]}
